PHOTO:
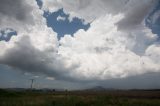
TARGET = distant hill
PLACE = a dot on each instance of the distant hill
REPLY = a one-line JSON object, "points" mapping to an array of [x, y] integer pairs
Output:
{"points": [[97, 88]]}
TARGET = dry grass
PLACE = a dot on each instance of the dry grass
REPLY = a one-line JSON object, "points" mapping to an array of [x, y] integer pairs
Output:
{"points": [[79, 98]]}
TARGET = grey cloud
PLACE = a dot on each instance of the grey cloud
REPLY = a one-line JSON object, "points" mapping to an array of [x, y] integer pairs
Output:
{"points": [[135, 13], [15, 10], [25, 57], [144, 81]]}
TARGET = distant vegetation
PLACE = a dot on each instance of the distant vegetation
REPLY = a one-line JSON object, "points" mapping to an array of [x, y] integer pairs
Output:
{"points": [[80, 98]]}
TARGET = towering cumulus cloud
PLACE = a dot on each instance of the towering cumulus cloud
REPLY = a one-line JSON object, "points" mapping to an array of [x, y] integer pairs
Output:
{"points": [[118, 44]]}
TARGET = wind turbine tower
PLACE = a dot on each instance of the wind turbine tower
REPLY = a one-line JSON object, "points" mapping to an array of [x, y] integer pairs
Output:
{"points": [[32, 80]]}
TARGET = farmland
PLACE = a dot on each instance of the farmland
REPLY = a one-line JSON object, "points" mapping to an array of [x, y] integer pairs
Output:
{"points": [[81, 98]]}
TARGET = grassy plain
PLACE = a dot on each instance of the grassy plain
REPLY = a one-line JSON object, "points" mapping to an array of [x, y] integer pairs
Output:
{"points": [[80, 98]]}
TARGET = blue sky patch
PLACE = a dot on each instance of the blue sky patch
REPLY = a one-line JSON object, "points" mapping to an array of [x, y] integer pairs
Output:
{"points": [[39, 3], [7, 33], [64, 26], [153, 20]]}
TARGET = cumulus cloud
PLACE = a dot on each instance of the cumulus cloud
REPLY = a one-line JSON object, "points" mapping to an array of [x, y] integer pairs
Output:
{"points": [[90, 10], [105, 52], [50, 78], [9, 8], [15, 13], [135, 13], [85, 9], [34, 47], [117, 44]]}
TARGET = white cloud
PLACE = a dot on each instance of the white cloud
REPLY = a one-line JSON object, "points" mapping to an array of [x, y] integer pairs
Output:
{"points": [[33, 48], [86, 9], [104, 51], [153, 52], [36, 76], [90, 10], [50, 78], [60, 18]]}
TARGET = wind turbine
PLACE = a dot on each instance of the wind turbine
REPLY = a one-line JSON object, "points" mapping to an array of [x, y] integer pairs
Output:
{"points": [[32, 80]]}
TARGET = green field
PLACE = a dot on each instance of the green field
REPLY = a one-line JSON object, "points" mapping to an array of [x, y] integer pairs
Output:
{"points": [[80, 98]]}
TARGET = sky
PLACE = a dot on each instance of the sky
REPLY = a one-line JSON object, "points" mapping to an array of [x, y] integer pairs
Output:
{"points": [[78, 44], [59, 22]]}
